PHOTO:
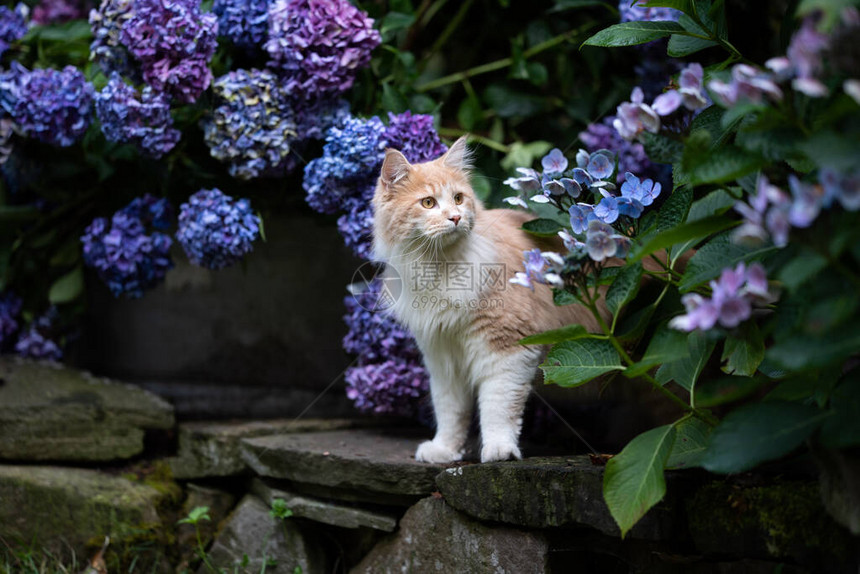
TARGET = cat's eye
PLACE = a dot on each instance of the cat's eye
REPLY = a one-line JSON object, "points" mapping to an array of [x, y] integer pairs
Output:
{"points": [[458, 198], [428, 202]]}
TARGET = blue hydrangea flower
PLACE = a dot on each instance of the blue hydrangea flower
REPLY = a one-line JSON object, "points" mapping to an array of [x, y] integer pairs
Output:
{"points": [[393, 387], [540, 267], [414, 136], [373, 335], [600, 166], [319, 44], [316, 116], [356, 227], [844, 188], [351, 157], [151, 211], [13, 24], [106, 49], [601, 241], [10, 315], [607, 210], [253, 127], [215, 230], [644, 192], [141, 119], [57, 11], [554, 162], [53, 106], [36, 342], [244, 22], [173, 41], [6, 132], [127, 258], [580, 215]]}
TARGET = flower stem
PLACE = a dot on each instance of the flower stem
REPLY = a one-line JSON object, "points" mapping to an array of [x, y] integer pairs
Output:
{"points": [[492, 144]]}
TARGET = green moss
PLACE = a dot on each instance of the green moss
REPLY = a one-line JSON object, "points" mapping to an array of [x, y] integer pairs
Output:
{"points": [[787, 516]]}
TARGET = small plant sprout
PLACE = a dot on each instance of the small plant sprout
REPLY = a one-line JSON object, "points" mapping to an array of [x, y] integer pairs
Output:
{"points": [[279, 509]]}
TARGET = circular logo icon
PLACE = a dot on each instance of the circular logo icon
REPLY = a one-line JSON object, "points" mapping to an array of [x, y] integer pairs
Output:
{"points": [[376, 287]]}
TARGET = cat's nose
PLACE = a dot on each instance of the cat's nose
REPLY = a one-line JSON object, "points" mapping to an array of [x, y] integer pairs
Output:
{"points": [[455, 219]]}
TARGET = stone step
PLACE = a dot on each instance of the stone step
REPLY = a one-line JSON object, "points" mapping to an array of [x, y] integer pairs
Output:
{"points": [[54, 413], [365, 464]]}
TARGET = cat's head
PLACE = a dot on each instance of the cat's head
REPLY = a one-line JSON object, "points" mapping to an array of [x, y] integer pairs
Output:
{"points": [[423, 207]]}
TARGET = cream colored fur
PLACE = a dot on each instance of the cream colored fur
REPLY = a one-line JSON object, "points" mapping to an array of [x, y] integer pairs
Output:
{"points": [[469, 337]]}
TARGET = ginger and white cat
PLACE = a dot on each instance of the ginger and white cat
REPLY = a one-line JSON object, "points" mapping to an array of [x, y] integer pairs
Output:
{"points": [[431, 230]]}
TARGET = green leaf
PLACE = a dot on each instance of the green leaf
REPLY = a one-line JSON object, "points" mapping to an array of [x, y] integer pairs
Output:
{"points": [[833, 150], [696, 230], [624, 288], [680, 46], [759, 432], [675, 209], [661, 149], [566, 333], [197, 514], [690, 443], [720, 165], [666, 345], [562, 5], [682, 5], [68, 287], [524, 154], [633, 481], [512, 103], [561, 297], [572, 363], [803, 351], [685, 371], [723, 390], [394, 22], [743, 351], [842, 430], [719, 253], [632, 33], [711, 120], [542, 227], [392, 99]]}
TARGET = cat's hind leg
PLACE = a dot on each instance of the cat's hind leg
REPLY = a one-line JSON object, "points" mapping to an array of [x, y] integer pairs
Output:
{"points": [[452, 405], [503, 390]]}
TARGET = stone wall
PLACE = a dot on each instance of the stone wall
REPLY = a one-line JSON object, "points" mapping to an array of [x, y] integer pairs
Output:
{"points": [[84, 458]]}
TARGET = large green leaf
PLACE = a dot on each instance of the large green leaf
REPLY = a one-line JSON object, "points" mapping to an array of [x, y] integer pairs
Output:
{"points": [[759, 432], [719, 253], [634, 481], [696, 230], [632, 33], [572, 363], [624, 288], [68, 287], [675, 209], [542, 227], [682, 5], [685, 371], [680, 46], [566, 333], [690, 443], [720, 165], [743, 351], [803, 351], [666, 345], [722, 390]]}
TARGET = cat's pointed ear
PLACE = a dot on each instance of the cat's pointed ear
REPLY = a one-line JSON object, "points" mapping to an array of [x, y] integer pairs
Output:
{"points": [[395, 167], [458, 156]]}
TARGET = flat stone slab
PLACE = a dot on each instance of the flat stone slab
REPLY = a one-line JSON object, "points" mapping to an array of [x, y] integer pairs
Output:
{"points": [[364, 461], [433, 537], [62, 509], [55, 413], [326, 512], [211, 449], [544, 492]]}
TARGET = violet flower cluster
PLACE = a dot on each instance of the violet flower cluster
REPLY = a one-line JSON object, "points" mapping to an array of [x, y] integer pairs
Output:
{"points": [[319, 44], [389, 377], [13, 24], [734, 295], [243, 22], [771, 213], [106, 49], [252, 129], [142, 119], [37, 340], [127, 256], [216, 230], [173, 41], [57, 11], [10, 315], [52, 106], [635, 116], [343, 178], [631, 155]]}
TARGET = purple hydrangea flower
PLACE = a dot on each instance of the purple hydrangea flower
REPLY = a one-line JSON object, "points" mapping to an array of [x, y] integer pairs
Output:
{"points": [[36, 341], [634, 117], [106, 49], [631, 156], [414, 136], [351, 157], [356, 226], [173, 41], [253, 127], [747, 84], [10, 315], [631, 12], [53, 106], [57, 11], [373, 335], [844, 188], [315, 117], [141, 119], [319, 44], [6, 131], [540, 267], [244, 22], [734, 294], [13, 24], [803, 61], [392, 387], [127, 258], [601, 241], [216, 230]]}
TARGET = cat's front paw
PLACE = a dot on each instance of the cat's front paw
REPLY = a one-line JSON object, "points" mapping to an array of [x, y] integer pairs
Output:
{"points": [[500, 451], [430, 451]]}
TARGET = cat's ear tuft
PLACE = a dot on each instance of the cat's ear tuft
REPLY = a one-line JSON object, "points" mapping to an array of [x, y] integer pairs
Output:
{"points": [[395, 167], [458, 156]]}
